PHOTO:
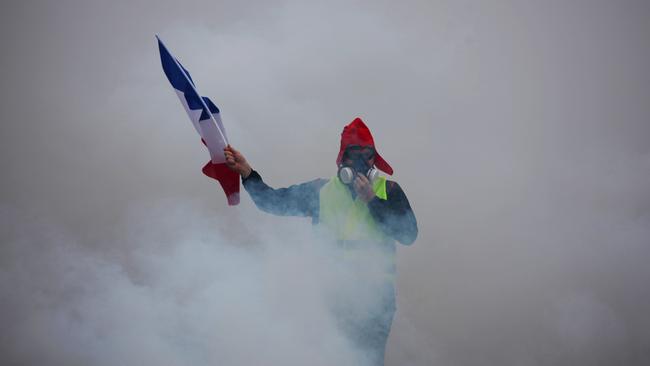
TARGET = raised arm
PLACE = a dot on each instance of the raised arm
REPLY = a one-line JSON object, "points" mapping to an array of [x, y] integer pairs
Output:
{"points": [[296, 200]]}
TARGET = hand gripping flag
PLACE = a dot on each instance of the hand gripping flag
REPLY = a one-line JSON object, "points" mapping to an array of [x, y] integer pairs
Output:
{"points": [[206, 120]]}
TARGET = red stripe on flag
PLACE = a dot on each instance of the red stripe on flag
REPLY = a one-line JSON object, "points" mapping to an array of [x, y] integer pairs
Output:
{"points": [[228, 179]]}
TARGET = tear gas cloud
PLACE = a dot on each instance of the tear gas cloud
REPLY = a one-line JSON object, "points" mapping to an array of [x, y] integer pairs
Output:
{"points": [[180, 294], [518, 130]]}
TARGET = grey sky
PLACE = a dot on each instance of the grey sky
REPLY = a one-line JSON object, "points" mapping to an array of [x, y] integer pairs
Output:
{"points": [[518, 129]]}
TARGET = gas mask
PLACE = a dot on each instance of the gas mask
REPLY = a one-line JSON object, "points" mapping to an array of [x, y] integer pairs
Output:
{"points": [[359, 166]]}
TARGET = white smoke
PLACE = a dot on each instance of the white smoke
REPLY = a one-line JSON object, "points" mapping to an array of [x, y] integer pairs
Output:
{"points": [[173, 294], [519, 131]]}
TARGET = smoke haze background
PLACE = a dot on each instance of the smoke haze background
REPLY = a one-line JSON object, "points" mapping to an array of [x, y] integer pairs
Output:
{"points": [[519, 131]]}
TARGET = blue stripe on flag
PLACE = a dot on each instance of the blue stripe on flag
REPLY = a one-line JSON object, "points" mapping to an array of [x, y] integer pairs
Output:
{"points": [[186, 72], [181, 83], [213, 108], [173, 73]]}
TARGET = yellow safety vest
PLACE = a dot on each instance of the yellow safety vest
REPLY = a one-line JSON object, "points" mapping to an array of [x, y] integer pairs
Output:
{"points": [[350, 223]]}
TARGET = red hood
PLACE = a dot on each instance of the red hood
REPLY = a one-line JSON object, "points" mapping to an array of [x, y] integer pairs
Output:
{"points": [[357, 133]]}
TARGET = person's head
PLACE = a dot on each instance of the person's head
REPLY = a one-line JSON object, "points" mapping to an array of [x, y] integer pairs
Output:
{"points": [[360, 158], [358, 149]]}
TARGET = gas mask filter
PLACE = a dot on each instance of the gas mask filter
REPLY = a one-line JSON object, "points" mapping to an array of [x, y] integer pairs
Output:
{"points": [[359, 157], [347, 174]]}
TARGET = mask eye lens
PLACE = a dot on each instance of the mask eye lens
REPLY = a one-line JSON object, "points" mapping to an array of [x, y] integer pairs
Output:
{"points": [[366, 155], [358, 152]]}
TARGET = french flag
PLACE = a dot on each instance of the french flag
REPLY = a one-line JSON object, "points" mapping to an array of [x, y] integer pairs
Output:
{"points": [[206, 120]]}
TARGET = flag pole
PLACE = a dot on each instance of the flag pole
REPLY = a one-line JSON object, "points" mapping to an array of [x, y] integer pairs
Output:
{"points": [[205, 106]]}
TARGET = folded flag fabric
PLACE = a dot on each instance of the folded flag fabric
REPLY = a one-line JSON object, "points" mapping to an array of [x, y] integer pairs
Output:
{"points": [[206, 119]]}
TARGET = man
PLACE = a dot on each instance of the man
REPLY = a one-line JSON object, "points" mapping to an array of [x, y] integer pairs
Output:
{"points": [[364, 214]]}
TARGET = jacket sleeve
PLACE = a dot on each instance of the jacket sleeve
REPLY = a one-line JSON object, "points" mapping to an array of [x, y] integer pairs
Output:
{"points": [[296, 200], [394, 215]]}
